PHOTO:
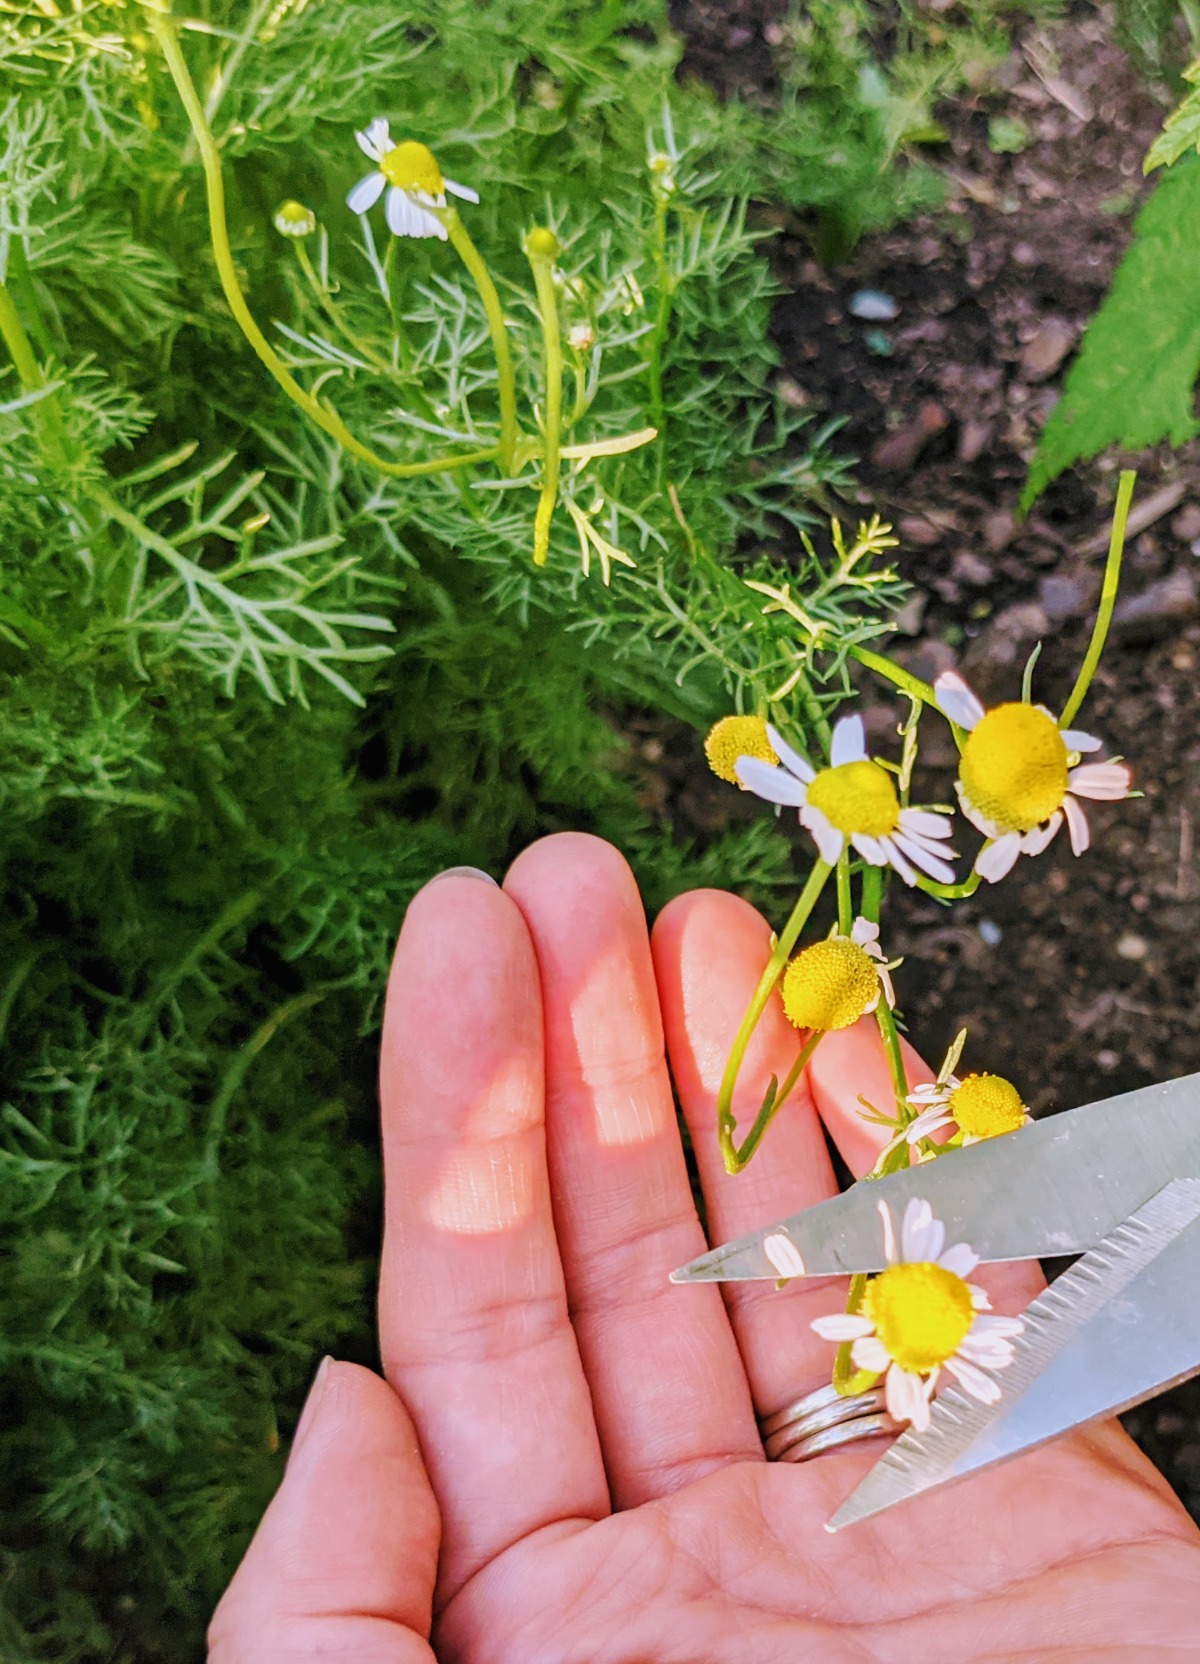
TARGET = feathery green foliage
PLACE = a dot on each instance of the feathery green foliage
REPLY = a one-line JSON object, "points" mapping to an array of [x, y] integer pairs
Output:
{"points": [[255, 693]]}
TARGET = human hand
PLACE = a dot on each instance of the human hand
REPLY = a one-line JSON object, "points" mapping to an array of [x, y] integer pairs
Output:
{"points": [[577, 1477]]}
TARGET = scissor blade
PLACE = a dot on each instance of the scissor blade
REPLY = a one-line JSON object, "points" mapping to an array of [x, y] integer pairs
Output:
{"points": [[1119, 1326], [1056, 1187]]}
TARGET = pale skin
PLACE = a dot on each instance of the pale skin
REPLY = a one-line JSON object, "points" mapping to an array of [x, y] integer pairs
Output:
{"points": [[563, 1466]]}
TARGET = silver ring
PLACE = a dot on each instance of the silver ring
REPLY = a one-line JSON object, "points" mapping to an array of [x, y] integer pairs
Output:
{"points": [[822, 1420]]}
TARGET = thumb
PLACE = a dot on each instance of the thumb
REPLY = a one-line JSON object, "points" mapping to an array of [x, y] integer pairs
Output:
{"points": [[342, 1566]]}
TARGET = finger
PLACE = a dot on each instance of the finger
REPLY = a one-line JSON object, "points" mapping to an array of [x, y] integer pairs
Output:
{"points": [[343, 1564], [668, 1388], [852, 1064], [709, 952], [472, 1308]]}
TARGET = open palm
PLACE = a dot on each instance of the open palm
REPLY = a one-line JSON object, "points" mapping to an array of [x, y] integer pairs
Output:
{"points": [[565, 1466]]}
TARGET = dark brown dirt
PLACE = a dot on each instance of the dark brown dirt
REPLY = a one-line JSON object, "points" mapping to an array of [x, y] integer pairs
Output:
{"points": [[1076, 978]]}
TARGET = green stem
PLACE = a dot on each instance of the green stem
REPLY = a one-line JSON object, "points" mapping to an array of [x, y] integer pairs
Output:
{"points": [[885, 1017], [46, 413], [872, 893], [20, 351], [845, 904], [482, 278], [774, 1102], [846, 1379], [543, 278], [658, 335], [164, 31], [758, 1004], [949, 892], [1108, 598], [912, 685]]}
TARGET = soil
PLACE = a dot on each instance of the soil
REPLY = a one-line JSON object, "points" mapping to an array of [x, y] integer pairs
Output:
{"points": [[1077, 978]]}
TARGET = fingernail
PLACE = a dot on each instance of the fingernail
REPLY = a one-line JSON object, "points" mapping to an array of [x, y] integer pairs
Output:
{"points": [[465, 872], [311, 1404]]}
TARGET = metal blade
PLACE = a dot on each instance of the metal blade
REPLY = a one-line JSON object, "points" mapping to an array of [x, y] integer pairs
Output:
{"points": [[1119, 1326], [1055, 1187]]}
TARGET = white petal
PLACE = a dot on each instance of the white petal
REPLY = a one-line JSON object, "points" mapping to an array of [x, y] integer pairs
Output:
{"points": [[906, 1400], [1104, 782], [791, 760], [993, 1354], [849, 742], [922, 1237], [783, 1255], [376, 140], [871, 850], [978, 1384], [463, 191], [930, 1093], [1033, 843], [870, 1353], [981, 823], [956, 700], [926, 823], [864, 931], [889, 1234], [776, 785], [1077, 825], [926, 1124], [960, 1259], [828, 839], [923, 858], [427, 225], [1075, 740], [896, 860], [366, 193], [994, 861], [979, 1298], [841, 1326], [992, 1325], [889, 991], [397, 213]]}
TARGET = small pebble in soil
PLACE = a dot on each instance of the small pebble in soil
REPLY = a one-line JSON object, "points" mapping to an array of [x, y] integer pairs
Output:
{"points": [[1107, 1060], [990, 932], [1046, 349], [873, 306], [1132, 946]]}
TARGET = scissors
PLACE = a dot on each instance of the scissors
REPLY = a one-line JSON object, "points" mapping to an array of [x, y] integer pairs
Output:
{"points": [[1117, 1182]]}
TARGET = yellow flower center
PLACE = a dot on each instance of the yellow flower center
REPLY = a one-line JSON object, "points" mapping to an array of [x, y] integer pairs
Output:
{"points": [[829, 985], [987, 1105], [734, 737], [1014, 767], [411, 167], [921, 1314], [857, 797]]}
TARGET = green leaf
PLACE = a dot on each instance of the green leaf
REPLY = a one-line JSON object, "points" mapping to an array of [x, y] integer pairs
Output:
{"points": [[1132, 382], [1181, 130]]}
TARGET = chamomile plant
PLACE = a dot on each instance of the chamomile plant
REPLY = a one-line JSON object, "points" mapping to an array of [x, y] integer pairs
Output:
{"points": [[1021, 772]]}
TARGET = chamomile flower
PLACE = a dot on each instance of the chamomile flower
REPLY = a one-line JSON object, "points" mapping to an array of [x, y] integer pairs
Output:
{"points": [[979, 1106], [835, 982], [413, 180], [735, 737], [1020, 777], [920, 1316], [293, 219], [854, 800]]}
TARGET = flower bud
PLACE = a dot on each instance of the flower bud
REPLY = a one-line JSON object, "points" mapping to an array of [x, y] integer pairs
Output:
{"points": [[542, 244], [293, 219]]}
